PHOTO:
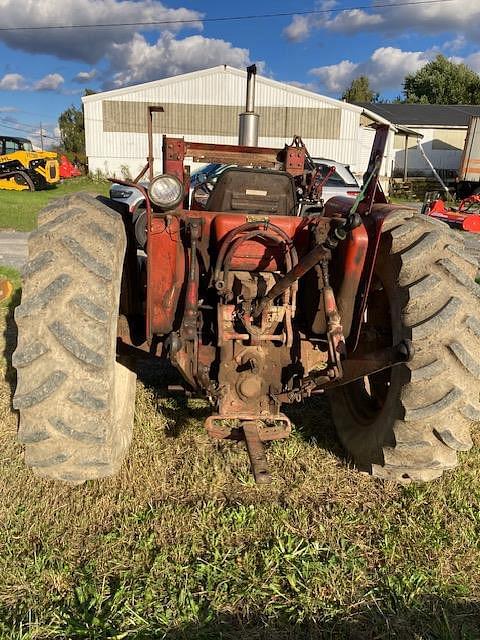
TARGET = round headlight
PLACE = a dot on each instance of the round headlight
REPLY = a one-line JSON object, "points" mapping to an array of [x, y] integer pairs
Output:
{"points": [[166, 191]]}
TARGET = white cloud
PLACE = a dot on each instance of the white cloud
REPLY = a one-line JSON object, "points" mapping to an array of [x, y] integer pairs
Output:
{"points": [[8, 109], [85, 76], [12, 82], [308, 86], [130, 56], [386, 69], [302, 25], [336, 77], [354, 20], [457, 16], [138, 61], [84, 44], [299, 29], [50, 82], [457, 44]]}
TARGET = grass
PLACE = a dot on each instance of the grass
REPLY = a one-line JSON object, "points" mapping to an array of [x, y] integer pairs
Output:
{"points": [[19, 209], [182, 544]]}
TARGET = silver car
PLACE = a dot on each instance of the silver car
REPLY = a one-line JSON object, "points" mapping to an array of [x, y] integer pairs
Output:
{"points": [[130, 196], [342, 182], [135, 201]]}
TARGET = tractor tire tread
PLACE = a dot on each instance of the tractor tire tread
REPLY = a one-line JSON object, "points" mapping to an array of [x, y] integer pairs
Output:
{"points": [[75, 401], [421, 434]]}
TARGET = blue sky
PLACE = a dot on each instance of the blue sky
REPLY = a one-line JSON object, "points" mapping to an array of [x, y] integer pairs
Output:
{"points": [[43, 71]]}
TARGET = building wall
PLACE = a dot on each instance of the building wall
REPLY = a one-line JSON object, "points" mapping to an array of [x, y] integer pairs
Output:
{"points": [[204, 107], [443, 146]]}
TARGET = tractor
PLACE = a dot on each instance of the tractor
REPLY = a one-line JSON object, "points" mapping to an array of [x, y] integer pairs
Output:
{"points": [[260, 296], [23, 169]]}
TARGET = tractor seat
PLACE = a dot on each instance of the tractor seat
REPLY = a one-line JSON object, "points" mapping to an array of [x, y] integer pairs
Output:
{"points": [[255, 191]]}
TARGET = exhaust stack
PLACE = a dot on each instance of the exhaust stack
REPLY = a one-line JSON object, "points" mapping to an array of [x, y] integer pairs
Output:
{"points": [[248, 125]]}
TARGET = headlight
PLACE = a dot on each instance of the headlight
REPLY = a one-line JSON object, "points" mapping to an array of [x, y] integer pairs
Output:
{"points": [[166, 191]]}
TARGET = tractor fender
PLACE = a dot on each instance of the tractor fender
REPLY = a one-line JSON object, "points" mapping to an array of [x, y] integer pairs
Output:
{"points": [[373, 223]]}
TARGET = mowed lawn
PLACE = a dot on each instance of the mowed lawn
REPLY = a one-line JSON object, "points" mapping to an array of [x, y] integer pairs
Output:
{"points": [[19, 209], [183, 545]]}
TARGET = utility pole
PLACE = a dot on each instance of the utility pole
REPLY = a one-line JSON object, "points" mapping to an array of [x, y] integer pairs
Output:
{"points": [[41, 136]]}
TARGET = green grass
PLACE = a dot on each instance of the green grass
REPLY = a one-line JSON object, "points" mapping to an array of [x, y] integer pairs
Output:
{"points": [[183, 545], [19, 209]]}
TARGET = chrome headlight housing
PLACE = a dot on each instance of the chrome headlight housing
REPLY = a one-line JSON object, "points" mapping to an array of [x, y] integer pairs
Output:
{"points": [[166, 191]]}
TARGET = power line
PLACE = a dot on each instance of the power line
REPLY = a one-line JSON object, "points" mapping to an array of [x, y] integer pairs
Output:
{"points": [[28, 129], [257, 16]]}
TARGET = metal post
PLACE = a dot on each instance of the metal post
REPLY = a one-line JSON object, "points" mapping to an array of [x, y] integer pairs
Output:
{"points": [[250, 102], [248, 125], [151, 111], [405, 159]]}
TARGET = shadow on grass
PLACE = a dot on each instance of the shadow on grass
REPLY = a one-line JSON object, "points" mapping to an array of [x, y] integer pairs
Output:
{"points": [[426, 618], [10, 341], [311, 418]]}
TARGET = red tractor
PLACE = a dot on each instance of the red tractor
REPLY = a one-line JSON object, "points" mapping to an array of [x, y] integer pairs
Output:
{"points": [[259, 297]]}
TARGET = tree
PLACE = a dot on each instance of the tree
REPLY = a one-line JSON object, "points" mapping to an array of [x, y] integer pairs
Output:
{"points": [[443, 82], [360, 91], [72, 130]]}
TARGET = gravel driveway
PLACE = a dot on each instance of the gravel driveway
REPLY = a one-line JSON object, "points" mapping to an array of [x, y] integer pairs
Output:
{"points": [[13, 248]]}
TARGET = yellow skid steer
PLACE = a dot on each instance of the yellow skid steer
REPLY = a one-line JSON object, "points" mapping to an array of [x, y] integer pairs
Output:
{"points": [[23, 169]]}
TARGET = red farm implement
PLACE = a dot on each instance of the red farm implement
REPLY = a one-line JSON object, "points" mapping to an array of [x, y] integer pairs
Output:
{"points": [[465, 215]]}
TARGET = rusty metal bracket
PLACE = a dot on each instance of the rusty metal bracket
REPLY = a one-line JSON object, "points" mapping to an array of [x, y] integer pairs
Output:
{"points": [[256, 453], [370, 363], [229, 426]]}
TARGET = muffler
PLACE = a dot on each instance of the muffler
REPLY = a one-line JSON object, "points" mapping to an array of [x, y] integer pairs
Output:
{"points": [[248, 124]]}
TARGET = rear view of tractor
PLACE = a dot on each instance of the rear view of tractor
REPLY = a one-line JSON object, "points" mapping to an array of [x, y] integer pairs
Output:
{"points": [[257, 306], [23, 169]]}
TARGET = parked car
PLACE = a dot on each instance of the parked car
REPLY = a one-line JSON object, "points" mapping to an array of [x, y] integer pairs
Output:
{"points": [[208, 173], [130, 196], [135, 201], [342, 182], [134, 197]]}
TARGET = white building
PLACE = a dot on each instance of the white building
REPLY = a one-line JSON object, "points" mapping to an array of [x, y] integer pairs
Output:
{"points": [[442, 129], [203, 106]]}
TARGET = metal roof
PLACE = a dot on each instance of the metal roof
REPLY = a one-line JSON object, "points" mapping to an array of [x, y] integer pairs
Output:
{"points": [[223, 68], [7, 136], [219, 69], [424, 115]]}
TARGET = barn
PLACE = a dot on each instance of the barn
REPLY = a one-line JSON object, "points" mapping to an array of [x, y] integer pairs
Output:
{"points": [[203, 106]]}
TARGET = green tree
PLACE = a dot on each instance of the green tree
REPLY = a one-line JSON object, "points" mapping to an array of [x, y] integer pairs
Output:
{"points": [[72, 130], [360, 91], [443, 82]]}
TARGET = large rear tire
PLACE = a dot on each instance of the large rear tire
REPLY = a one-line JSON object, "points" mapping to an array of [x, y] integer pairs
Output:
{"points": [[76, 402], [409, 423]]}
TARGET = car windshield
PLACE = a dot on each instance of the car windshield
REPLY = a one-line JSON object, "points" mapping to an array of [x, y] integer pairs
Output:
{"points": [[341, 177], [27, 146], [209, 170]]}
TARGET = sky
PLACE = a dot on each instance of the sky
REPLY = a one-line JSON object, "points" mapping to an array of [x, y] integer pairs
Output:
{"points": [[43, 71]]}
